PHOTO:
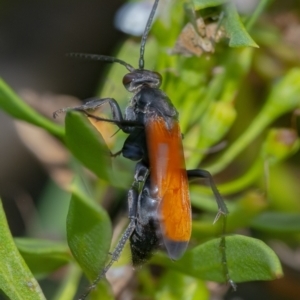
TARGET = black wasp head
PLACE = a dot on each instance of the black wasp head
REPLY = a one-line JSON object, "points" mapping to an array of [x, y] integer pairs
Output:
{"points": [[138, 78]]}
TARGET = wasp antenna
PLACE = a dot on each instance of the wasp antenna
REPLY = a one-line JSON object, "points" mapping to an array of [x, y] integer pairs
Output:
{"points": [[145, 35], [98, 57]]}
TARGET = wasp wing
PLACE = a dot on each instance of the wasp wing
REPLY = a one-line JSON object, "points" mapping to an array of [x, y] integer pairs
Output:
{"points": [[169, 183]]}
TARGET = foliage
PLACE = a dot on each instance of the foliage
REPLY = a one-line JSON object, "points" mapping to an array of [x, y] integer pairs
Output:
{"points": [[216, 99]]}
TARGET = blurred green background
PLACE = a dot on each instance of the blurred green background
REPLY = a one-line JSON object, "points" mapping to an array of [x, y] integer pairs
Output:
{"points": [[238, 110]]}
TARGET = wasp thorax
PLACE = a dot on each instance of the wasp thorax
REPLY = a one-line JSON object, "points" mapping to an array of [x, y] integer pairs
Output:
{"points": [[138, 78]]}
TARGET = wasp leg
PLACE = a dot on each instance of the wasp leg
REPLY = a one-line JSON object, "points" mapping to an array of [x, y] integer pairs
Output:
{"points": [[134, 145], [114, 257], [222, 246], [92, 105], [133, 196], [222, 210], [141, 174], [199, 173]]}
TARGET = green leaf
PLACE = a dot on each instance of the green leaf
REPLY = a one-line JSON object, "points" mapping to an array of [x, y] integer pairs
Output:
{"points": [[277, 222], [69, 286], [11, 103], [87, 144], [245, 210], [201, 4], [43, 256], [287, 88], [248, 259], [88, 232], [103, 291], [241, 214], [239, 37], [284, 189], [175, 286], [16, 280]]}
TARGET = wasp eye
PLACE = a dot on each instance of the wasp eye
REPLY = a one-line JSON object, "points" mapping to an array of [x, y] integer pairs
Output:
{"points": [[128, 78]]}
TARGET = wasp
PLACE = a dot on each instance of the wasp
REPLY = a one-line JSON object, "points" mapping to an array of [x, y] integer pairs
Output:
{"points": [[158, 202]]}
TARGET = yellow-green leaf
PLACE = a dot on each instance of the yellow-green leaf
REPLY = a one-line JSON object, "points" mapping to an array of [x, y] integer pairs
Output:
{"points": [[16, 280]]}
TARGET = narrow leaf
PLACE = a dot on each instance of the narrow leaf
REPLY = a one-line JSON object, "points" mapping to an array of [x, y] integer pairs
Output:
{"points": [[277, 222], [42, 256], [16, 280], [239, 37], [11, 103], [69, 286]]}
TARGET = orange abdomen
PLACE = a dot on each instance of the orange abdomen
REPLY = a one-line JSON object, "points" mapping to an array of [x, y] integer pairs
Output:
{"points": [[169, 177]]}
